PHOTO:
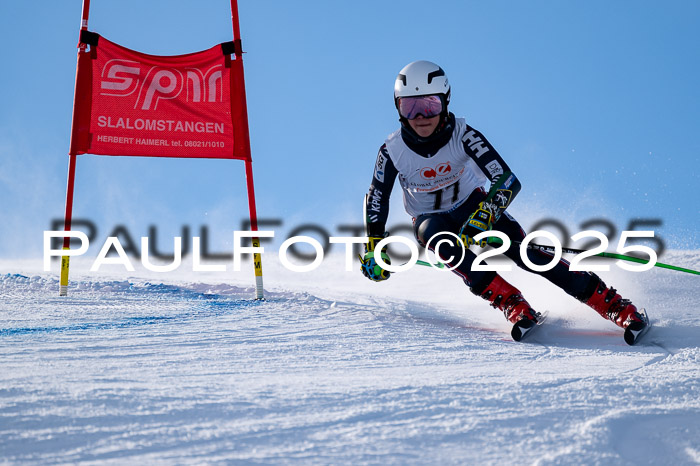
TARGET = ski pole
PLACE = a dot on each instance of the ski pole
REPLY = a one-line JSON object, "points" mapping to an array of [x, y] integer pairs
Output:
{"points": [[610, 255], [439, 265]]}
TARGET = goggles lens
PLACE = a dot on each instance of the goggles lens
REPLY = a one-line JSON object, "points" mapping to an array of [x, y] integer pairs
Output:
{"points": [[426, 105]]}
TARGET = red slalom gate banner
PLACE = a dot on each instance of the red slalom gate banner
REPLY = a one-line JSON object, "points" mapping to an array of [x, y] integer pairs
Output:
{"points": [[133, 104]]}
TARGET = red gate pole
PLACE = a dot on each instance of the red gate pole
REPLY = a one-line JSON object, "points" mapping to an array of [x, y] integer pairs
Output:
{"points": [[257, 259], [68, 217]]}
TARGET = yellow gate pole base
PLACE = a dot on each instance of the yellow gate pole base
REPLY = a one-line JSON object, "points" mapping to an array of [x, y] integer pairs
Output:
{"points": [[63, 287]]}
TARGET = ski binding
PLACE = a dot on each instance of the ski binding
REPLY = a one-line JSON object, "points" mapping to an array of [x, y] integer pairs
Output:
{"points": [[524, 327], [637, 330]]}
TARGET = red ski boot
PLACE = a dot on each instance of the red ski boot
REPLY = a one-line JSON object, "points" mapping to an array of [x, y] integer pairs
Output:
{"points": [[505, 297], [609, 304]]}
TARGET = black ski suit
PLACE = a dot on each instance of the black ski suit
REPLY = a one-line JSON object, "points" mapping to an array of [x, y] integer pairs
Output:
{"points": [[440, 200]]}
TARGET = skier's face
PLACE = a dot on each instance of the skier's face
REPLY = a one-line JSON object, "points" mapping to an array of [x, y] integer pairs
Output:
{"points": [[424, 127]]}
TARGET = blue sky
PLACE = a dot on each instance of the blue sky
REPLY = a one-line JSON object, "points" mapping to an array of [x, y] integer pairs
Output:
{"points": [[594, 105]]}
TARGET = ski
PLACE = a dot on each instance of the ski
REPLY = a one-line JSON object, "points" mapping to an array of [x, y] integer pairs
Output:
{"points": [[525, 327], [636, 330]]}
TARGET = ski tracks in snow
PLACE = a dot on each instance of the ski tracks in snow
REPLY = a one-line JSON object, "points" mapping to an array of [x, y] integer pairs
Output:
{"points": [[146, 372]]}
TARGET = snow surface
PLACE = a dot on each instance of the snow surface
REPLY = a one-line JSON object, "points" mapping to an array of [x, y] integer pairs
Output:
{"points": [[185, 367]]}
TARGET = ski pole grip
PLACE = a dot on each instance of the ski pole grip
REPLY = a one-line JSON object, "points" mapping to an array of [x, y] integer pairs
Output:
{"points": [[494, 241]]}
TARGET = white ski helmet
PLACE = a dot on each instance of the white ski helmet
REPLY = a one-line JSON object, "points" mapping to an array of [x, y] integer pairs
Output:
{"points": [[421, 78]]}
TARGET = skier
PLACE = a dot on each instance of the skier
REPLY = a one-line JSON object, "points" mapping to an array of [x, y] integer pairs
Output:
{"points": [[443, 165]]}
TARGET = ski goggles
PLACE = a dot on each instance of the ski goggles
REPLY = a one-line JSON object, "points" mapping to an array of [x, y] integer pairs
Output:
{"points": [[426, 105]]}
